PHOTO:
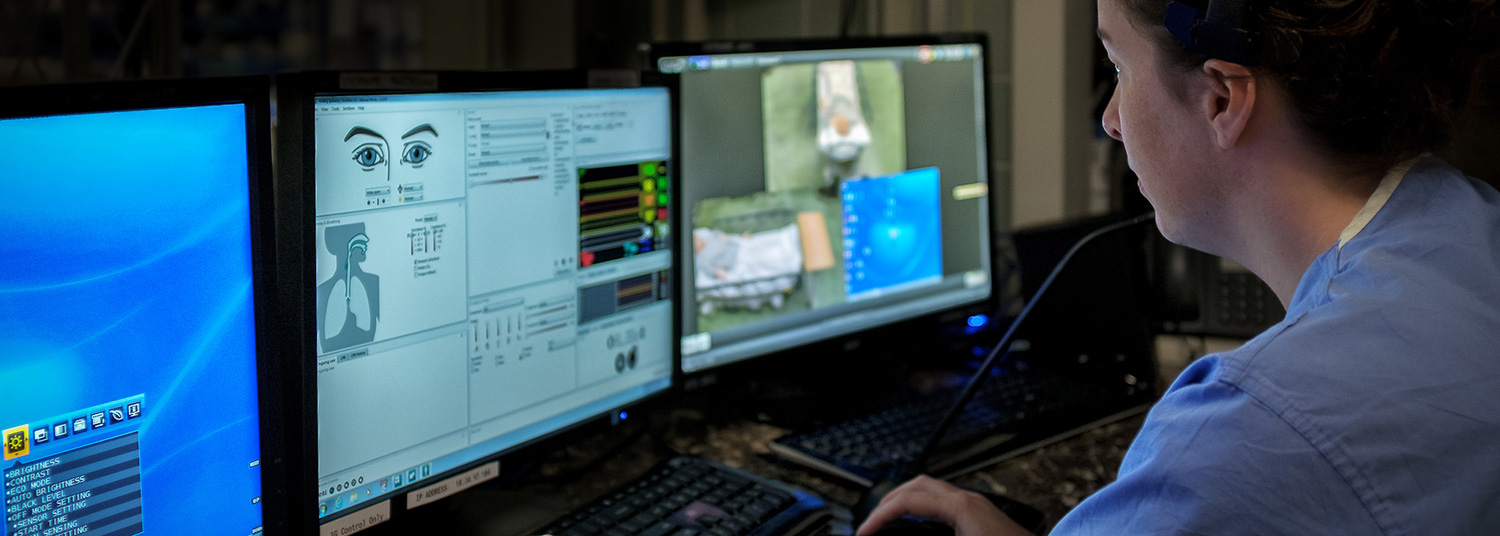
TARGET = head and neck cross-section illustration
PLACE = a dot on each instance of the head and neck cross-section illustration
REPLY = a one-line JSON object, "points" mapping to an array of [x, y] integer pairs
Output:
{"points": [[348, 302]]}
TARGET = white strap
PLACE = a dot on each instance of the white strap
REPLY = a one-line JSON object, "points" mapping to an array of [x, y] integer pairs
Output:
{"points": [[1377, 200]]}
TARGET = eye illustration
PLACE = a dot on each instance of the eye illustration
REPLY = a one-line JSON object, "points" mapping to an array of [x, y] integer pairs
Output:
{"points": [[416, 152], [369, 155]]}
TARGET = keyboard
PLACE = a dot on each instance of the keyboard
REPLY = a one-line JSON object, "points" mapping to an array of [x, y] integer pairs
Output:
{"points": [[875, 447], [687, 496]]}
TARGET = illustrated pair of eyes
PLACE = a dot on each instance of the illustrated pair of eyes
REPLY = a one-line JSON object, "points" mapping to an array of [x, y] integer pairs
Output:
{"points": [[372, 154]]}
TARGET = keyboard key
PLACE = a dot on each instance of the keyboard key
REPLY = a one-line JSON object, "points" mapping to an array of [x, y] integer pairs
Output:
{"points": [[710, 521], [632, 526], [660, 529], [644, 519], [716, 496], [619, 511], [756, 512], [738, 524], [738, 503]]}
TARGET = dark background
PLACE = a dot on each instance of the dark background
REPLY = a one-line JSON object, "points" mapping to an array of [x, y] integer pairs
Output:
{"points": [[49, 41]]}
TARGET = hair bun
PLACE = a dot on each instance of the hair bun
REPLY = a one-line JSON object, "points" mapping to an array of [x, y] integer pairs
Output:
{"points": [[1390, 77]]}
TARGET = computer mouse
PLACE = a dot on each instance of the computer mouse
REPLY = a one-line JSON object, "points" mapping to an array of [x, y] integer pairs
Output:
{"points": [[912, 526]]}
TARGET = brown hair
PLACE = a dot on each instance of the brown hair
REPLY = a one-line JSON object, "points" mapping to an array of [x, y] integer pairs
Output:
{"points": [[1378, 80]]}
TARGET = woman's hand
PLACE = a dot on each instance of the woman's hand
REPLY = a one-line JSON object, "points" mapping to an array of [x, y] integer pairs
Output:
{"points": [[969, 513]]}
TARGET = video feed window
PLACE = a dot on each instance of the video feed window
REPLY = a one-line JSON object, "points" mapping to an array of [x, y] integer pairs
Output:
{"points": [[829, 192]]}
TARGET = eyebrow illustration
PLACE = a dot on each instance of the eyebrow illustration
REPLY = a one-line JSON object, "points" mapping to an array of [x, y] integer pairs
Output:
{"points": [[424, 127], [362, 130]]}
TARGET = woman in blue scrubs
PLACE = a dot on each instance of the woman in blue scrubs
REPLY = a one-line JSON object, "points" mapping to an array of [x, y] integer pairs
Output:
{"points": [[1301, 153]]}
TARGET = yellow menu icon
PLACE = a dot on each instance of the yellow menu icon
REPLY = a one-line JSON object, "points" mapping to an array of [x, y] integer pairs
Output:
{"points": [[17, 442]]}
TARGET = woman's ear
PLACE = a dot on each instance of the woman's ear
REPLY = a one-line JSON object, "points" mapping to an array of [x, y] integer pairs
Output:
{"points": [[1229, 100]]}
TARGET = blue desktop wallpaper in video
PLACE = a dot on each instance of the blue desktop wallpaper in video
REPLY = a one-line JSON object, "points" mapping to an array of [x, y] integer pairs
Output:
{"points": [[892, 232], [125, 282]]}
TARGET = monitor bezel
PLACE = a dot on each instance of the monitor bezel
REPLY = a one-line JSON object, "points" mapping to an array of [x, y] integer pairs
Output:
{"points": [[296, 213], [655, 51], [275, 385], [933, 321]]}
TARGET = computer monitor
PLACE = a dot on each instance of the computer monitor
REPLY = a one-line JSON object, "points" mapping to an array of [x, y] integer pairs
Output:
{"points": [[831, 187], [134, 292], [487, 268]]}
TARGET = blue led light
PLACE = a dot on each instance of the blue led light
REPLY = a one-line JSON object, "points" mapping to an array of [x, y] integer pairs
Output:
{"points": [[978, 321], [623, 415]]}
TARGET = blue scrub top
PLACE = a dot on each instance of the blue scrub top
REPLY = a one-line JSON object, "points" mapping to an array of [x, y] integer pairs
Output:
{"points": [[1373, 408]]}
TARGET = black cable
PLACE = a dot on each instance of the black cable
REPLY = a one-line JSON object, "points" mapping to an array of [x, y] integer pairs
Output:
{"points": [[846, 16], [919, 463]]}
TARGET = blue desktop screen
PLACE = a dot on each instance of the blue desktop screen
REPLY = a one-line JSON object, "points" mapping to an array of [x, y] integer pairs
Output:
{"points": [[892, 233], [128, 399]]}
